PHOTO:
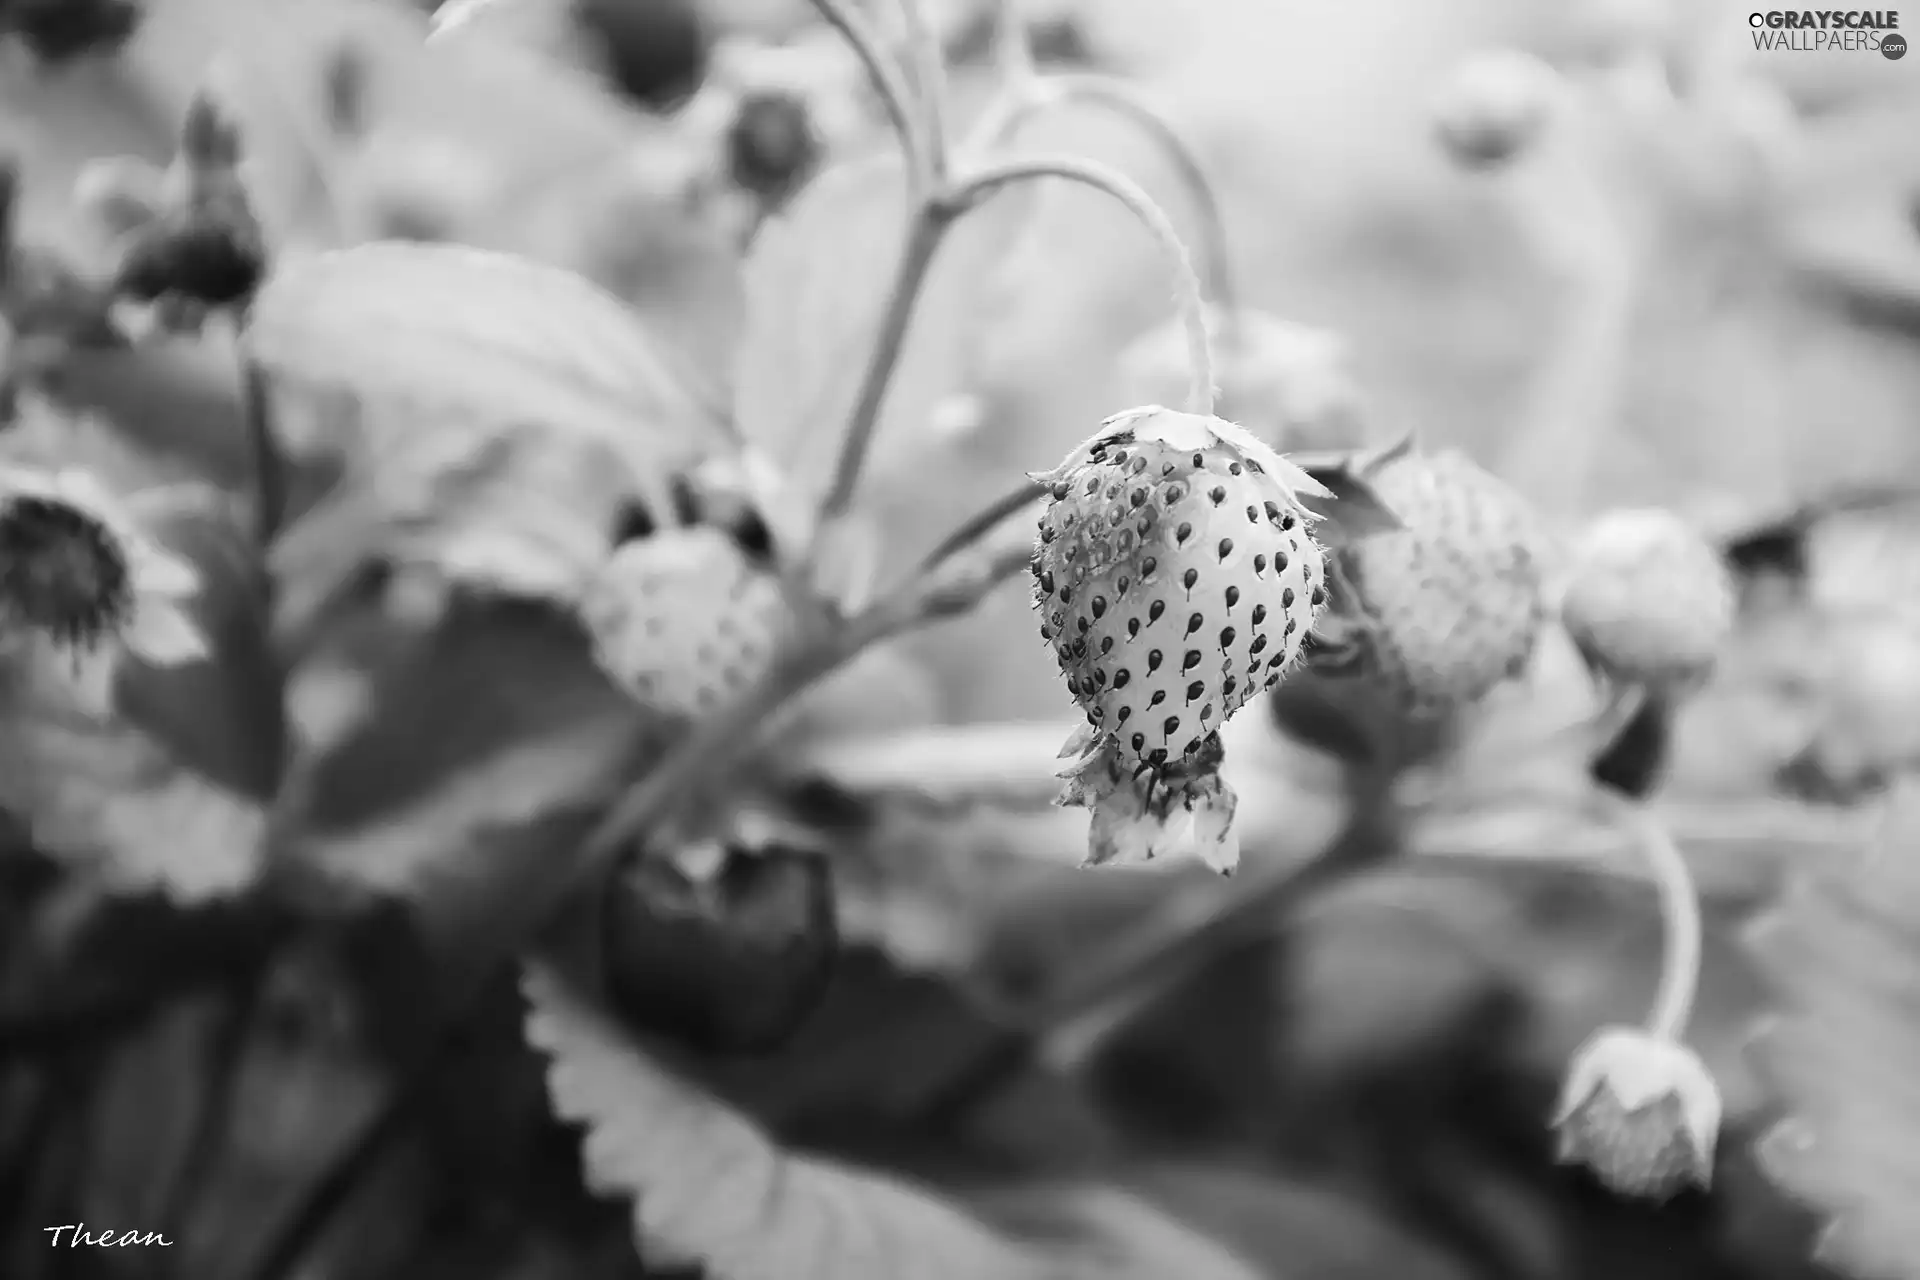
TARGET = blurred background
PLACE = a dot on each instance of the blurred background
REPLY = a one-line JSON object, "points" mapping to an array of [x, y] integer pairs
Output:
{"points": [[1609, 248]]}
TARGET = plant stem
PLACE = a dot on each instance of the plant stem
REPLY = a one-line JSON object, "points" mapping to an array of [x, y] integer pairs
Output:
{"points": [[1188, 294], [895, 98], [970, 530], [1124, 100], [227, 1044], [1679, 916], [1012, 50], [926, 229], [930, 70], [263, 445]]}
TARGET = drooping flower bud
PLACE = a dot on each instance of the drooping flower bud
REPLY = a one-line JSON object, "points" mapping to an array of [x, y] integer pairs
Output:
{"points": [[1641, 1112]]}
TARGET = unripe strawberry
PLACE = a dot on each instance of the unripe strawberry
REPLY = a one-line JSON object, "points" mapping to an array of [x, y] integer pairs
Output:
{"points": [[1648, 600], [1494, 107], [1641, 1112], [1445, 608], [1175, 578], [686, 619]]}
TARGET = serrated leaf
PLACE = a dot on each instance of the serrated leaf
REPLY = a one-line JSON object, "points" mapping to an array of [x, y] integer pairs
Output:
{"points": [[1841, 950], [709, 1188], [817, 283]]}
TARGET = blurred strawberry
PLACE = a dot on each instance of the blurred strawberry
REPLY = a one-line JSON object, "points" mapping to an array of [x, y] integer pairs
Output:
{"points": [[57, 31], [1449, 606], [1426, 620], [655, 51], [772, 145], [730, 957], [686, 620]]}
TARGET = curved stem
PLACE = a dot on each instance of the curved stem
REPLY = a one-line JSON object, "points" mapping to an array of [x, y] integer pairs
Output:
{"points": [[1679, 915], [1188, 294], [1121, 98], [930, 70], [885, 77]]}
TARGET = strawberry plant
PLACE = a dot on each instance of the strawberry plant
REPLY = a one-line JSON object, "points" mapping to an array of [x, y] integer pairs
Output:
{"points": [[501, 509]]}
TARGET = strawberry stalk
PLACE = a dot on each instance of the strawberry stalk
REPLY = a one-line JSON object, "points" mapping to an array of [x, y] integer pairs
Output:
{"points": [[929, 68], [1679, 916], [895, 98], [1023, 98], [1012, 49], [933, 216]]}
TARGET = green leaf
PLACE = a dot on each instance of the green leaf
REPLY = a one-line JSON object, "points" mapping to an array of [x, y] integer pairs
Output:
{"points": [[1841, 951], [709, 1188], [500, 419], [817, 283]]}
